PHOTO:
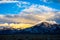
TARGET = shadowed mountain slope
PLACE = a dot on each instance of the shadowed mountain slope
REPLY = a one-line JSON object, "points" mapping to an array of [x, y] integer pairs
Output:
{"points": [[41, 28]]}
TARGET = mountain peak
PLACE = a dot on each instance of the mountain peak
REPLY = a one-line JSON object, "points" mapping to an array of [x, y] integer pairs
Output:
{"points": [[46, 24]]}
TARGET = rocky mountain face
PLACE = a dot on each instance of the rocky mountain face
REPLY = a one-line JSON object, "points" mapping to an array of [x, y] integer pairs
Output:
{"points": [[41, 28]]}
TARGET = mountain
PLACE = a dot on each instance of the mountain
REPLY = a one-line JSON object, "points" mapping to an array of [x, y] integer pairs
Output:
{"points": [[44, 28], [41, 28]]}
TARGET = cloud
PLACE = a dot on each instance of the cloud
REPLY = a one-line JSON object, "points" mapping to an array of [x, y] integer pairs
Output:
{"points": [[20, 26], [44, 0], [15, 19], [22, 22], [41, 13], [16, 26], [23, 4], [51, 1], [8, 2], [32, 15], [38, 8]]}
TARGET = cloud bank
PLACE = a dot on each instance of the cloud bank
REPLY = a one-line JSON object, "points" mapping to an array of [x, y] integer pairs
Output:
{"points": [[32, 15], [41, 13]]}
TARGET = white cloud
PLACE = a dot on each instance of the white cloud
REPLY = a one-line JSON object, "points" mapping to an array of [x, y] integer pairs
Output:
{"points": [[8, 1], [44, 0], [23, 4], [51, 1], [1, 16], [20, 4], [32, 15], [41, 13], [38, 9]]}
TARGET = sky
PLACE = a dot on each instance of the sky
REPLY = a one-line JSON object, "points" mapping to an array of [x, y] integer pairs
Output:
{"points": [[29, 11], [16, 6]]}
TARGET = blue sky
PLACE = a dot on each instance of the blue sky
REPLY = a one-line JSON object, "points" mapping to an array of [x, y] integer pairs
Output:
{"points": [[37, 10], [12, 8]]}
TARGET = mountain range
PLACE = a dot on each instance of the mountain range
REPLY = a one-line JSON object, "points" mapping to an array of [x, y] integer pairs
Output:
{"points": [[41, 28]]}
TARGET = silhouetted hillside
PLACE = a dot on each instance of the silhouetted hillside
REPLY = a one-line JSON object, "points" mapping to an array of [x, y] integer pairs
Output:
{"points": [[42, 28]]}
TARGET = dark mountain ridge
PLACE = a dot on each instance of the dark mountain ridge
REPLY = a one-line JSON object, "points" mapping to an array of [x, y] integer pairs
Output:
{"points": [[41, 28]]}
